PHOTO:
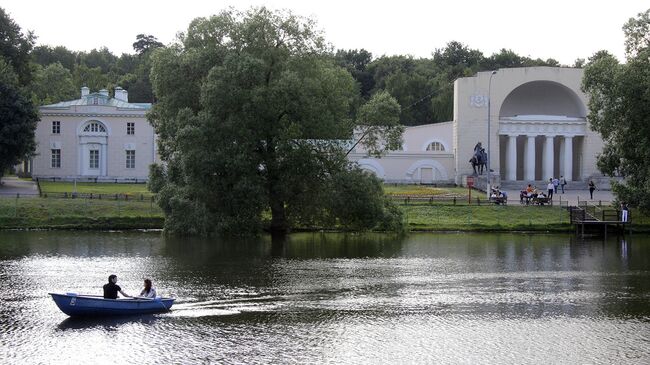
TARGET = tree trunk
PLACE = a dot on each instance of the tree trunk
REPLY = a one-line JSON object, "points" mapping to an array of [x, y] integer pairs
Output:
{"points": [[279, 224]]}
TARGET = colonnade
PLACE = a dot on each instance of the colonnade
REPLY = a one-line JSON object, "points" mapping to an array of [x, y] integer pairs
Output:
{"points": [[548, 158]]}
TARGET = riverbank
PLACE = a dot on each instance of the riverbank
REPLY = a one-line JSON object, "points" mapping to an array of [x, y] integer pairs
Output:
{"points": [[90, 214], [425, 209], [109, 214]]}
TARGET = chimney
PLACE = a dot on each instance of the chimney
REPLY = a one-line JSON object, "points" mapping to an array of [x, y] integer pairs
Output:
{"points": [[85, 91], [103, 92], [121, 94]]}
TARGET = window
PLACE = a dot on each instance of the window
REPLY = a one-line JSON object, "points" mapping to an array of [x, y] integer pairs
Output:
{"points": [[95, 127], [56, 127], [94, 159], [435, 146], [130, 128], [130, 159], [56, 158]]}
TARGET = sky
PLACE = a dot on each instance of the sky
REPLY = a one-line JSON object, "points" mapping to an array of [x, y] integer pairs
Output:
{"points": [[564, 30]]}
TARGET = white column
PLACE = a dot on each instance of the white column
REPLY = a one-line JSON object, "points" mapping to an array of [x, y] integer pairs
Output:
{"points": [[529, 166], [548, 158], [511, 159], [103, 161], [568, 158], [561, 159]]}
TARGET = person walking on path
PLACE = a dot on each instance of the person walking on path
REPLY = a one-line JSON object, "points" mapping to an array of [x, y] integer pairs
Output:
{"points": [[556, 183], [562, 183], [550, 188], [592, 187]]}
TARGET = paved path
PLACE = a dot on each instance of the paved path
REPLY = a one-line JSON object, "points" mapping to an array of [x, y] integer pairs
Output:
{"points": [[11, 185], [605, 196]]}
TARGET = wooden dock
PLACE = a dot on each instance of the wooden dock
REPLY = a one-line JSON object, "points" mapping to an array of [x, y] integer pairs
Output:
{"points": [[596, 218]]}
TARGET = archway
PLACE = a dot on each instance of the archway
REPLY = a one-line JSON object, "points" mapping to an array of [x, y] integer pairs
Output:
{"points": [[541, 127]]}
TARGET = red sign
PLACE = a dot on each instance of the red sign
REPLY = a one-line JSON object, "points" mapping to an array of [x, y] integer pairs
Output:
{"points": [[470, 181]]}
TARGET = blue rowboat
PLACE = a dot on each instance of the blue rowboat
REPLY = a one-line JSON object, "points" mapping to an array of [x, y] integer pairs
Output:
{"points": [[95, 305]]}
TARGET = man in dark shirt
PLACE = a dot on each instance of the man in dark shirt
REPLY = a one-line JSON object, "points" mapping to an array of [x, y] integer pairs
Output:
{"points": [[111, 289]]}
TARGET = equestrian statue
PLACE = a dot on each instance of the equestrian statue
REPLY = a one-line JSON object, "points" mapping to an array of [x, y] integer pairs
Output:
{"points": [[479, 159]]}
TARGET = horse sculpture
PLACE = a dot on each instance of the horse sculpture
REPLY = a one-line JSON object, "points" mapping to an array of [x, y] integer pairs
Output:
{"points": [[479, 159]]}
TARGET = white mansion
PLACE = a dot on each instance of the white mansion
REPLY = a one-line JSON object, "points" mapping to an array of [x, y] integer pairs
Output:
{"points": [[95, 136], [537, 116]]}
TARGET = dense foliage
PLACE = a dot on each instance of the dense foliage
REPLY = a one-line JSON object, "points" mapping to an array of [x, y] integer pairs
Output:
{"points": [[252, 117], [619, 109], [18, 118], [18, 115]]}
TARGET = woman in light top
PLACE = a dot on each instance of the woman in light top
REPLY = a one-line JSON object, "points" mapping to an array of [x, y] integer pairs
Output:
{"points": [[148, 291]]}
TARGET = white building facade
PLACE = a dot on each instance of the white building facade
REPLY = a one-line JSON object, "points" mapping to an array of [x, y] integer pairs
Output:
{"points": [[537, 130], [95, 137]]}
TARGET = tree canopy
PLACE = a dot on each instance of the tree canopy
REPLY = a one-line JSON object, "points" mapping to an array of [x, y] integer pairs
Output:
{"points": [[619, 109], [18, 118], [254, 116], [18, 115], [15, 47]]}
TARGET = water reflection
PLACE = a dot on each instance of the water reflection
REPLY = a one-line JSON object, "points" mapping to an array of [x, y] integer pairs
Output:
{"points": [[313, 298], [104, 323]]}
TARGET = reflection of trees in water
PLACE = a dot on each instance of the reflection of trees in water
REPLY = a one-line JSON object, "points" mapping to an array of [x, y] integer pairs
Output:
{"points": [[79, 243]]}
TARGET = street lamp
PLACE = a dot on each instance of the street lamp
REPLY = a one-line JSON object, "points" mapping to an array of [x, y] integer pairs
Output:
{"points": [[489, 190]]}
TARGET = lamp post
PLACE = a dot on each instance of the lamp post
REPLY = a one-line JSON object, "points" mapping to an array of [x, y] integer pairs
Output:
{"points": [[489, 190]]}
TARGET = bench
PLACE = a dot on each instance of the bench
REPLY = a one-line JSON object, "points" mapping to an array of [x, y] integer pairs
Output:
{"points": [[499, 200]]}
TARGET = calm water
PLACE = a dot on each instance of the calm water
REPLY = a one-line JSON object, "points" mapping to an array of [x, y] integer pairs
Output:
{"points": [[426, 298]]}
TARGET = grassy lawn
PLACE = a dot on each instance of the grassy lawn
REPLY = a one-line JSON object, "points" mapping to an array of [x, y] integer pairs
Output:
{"points": [[425, 191], [485, 217], [59, 187], [79, 213]]}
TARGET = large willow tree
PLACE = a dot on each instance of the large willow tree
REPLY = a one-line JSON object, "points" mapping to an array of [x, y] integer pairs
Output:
{"points": [[253, 116]]}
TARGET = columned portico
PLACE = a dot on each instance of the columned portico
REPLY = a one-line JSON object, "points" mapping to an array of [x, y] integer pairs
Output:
{"points": [[539, 158]]}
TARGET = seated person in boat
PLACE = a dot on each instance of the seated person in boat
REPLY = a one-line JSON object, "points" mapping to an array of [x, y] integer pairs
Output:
{"points": [[148, 291], [111, 289]]}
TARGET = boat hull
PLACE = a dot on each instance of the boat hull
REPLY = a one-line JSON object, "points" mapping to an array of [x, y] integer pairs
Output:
{"points": [[89, 306]]}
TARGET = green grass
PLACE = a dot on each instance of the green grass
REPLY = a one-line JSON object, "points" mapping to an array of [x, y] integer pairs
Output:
{"points": [[59, 187], [428, 217], [79, 213], [423, 190]]}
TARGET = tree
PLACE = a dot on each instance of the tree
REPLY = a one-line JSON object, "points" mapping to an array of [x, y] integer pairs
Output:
{"points": [[46, 55], [18, 119], [145, 43], [93, 78], [356, 62], [100, 58], [53, 84], [15, 47], [619, 109], [253, 116], [637, 34]]}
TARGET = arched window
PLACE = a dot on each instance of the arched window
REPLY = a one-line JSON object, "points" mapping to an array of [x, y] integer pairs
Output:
{"points": [[435, 146], [94, 127]]}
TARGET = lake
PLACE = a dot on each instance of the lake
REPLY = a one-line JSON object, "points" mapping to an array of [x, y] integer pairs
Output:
{"points": [[454, 298]]}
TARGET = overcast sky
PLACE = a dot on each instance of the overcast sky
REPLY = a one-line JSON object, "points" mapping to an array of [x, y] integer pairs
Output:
{"points": [[564, 30]]}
